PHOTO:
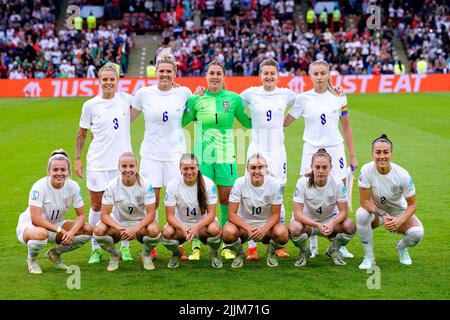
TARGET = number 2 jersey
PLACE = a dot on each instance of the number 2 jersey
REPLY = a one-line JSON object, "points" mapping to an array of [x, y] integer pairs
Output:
{"points": [[389, 191], [184, 199], [54, 202], [255, 203], [320, 203], [129, 201], [109, 122]]}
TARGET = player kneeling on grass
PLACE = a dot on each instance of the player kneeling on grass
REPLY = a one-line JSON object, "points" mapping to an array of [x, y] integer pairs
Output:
{"points": [[43, 221], [190, 202], [388, 197], [254, 213], [320, 208], [134, 215]]}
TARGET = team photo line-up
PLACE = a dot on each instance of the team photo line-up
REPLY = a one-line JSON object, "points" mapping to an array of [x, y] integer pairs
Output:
{"points": [[125, 194]]}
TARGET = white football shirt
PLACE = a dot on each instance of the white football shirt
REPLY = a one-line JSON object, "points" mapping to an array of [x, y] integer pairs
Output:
{"points": [[322, 112], [54, 202], [389, 191], [184, 198], [267, 110], [163, 111], [255, 203], [320, 203], [129, 201], [109, 122]]}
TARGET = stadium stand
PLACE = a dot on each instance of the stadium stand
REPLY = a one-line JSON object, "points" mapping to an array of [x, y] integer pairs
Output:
{"points": [[240, 33]]}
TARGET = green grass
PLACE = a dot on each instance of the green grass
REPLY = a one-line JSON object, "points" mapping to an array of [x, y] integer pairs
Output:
{"points": [[418, 124]]}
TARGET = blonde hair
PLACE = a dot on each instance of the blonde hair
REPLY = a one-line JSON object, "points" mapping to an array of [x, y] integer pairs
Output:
{"points": [[269, 62], [58, 154], [166, 56], [109, 67], [131, 154], [322, 62]]}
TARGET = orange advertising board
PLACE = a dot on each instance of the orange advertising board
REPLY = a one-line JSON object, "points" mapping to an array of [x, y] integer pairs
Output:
{"points": [[351, 83]]}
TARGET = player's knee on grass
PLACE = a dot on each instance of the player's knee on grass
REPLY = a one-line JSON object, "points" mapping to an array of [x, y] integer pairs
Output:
{"points": [[153, 229], [363, 217], [36, 233], [415, 235], [230, 233], [86, 229], [168, 232], [101, 229], [349, 226], [295, 229], [213, 229], [280, 234]]}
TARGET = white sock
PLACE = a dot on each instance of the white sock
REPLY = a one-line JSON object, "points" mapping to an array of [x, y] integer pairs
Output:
{"points": [[282, 215], [412, 237], [125, 244], [35, 247], [94, 218], [171, 244], [235, 246], [107, 244], [251, 244], [365, 232], [341, 239], [77, 243], [149, 244], [301, 242], [214, 242], [313, 243]]}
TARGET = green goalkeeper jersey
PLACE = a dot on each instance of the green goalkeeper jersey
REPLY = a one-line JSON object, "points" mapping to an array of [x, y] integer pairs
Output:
{"points": [[214, 114]]}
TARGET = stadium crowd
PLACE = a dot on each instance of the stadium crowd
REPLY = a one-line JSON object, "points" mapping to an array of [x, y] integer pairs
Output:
{"points": [[32, 47], [239, 33]]}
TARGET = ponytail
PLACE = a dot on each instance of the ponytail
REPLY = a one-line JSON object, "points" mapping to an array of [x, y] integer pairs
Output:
{"points": [[324, 63], [201, 193], [201, 189]]}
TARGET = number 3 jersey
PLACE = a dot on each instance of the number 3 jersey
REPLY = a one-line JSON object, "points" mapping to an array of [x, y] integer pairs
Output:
{"points": [[255, 203], [109, 122], [184, 199], [129, 201], [320, 203], [388, 190], [321, 112], [163, 110], [54, 202]]}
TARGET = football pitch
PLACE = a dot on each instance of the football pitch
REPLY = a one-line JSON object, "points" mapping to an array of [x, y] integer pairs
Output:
{"points": [[419, 126]]}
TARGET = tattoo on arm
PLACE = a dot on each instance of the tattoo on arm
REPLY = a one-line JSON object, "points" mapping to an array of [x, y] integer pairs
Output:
{"points": [[81, 139]]}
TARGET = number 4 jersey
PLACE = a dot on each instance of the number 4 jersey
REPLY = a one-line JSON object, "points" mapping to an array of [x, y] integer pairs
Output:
{"points": [[109, 122], [184, 199], [320, 203]]}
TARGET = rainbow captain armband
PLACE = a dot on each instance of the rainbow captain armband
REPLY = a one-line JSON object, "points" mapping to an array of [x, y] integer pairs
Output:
{"points": [[344, 110]]}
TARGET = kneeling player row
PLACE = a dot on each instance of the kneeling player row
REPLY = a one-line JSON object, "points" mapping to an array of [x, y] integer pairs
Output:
{"points": [[320, 208]]}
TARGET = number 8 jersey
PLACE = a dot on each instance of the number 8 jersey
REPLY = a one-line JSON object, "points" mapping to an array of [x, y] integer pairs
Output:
{"points": [[109, 122], [321, 112]]}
